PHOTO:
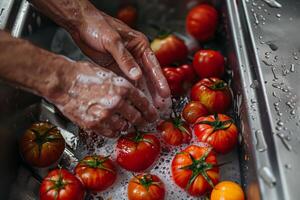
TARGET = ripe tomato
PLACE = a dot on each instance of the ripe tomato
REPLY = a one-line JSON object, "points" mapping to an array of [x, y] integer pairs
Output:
{"points": [[137, 151], [60, 184], [192, 111], [227, 190], [213, 93], [194, 169], [169, 49], [174, 79], [42, 144], [209, 63], [217, 130], [128, 15], [202, 21], [179, 78], [96, 173], [146, 187], [175, 132], [187, 71]]}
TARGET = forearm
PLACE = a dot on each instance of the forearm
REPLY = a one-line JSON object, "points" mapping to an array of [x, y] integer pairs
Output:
{"points": [[67, 13], [30, 67]]}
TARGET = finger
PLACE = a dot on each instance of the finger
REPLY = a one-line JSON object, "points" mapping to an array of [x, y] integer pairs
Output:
{"points": [[140, 101], [118, 123], [131, 114], [154, 73], [123, 58]]}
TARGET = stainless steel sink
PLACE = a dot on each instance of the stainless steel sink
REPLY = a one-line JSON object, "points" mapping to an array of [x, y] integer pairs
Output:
{"points": [[261, 161]]}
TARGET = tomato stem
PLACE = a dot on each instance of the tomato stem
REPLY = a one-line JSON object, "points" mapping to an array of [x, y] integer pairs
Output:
{"points": [[217, 85], [146, 181], [198, 167], [95, 162], [217, 124]]}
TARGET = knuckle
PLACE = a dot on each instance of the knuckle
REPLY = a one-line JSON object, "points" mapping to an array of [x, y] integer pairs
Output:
{"points": [[115, 39]]}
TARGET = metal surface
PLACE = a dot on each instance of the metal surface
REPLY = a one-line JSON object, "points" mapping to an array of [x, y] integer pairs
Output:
{"points": [[5, 11], [274, 43]]}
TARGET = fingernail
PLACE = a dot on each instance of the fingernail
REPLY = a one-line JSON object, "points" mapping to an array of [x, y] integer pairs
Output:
{"points": [[134, 72]]}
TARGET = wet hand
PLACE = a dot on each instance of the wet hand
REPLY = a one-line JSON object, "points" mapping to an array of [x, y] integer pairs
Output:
{"points": [[102, 102], [110, 43]]}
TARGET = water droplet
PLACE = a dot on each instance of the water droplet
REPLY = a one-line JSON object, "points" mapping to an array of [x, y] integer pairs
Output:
{"points": [[288, 166], [267, 175], [255, 18], [272, 46], [293, 112], [274, 73], [273, 3], [267, 63], [290, 105], [261, 144], [280, 123], [284, 142], [292, 69]]}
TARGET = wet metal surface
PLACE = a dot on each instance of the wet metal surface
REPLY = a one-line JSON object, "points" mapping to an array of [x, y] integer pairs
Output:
{"points": [[275, 46]]}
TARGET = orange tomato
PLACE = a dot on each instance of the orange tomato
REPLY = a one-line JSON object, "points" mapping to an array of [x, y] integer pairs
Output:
{"points": [[227, 190]]}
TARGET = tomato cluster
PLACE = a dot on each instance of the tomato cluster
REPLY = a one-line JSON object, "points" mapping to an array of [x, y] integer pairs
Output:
{"points": [[195, 168]]}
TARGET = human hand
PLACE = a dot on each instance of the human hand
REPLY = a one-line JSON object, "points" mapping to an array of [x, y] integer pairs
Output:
{"points": [[114, 45], [100, 101]]}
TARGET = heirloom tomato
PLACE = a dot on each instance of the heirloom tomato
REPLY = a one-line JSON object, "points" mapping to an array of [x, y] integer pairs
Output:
{"points": [[217, 130], [146, 187], [42, 144], [96, 173], [213, 93], [192, 111], [195, 170], [60, 184]]}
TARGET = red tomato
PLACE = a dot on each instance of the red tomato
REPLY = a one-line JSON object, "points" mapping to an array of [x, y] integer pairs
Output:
{"points": [[193, 110], [96, 173], [136, 151], [174, 79], [195, 170], [146, 187], [209, 63], [128, 15], [175, 132], [187, 71], [213, 93], [179, 78], [217, 130], [60, 184], [169, 49], [202, 21], [42, 144]]}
